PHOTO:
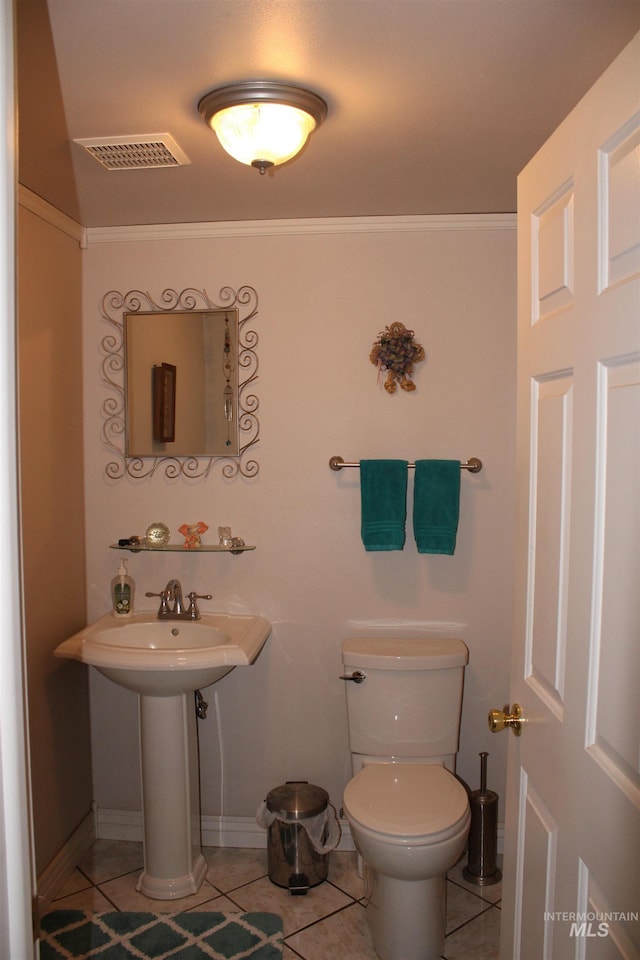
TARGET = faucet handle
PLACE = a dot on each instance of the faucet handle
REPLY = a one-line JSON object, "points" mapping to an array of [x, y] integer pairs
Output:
{"points": [[194, 613], [164, 608]]}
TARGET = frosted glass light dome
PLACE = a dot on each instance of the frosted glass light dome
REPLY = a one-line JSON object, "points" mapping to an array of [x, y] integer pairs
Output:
{"points": [[262, 124], [273, 132]]}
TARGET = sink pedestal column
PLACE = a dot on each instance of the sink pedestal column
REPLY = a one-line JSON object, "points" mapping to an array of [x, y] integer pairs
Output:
{"points": [[173, 862]]}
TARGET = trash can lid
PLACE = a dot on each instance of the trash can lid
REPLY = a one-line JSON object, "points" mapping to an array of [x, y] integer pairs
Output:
{"points": [[297, 799]]}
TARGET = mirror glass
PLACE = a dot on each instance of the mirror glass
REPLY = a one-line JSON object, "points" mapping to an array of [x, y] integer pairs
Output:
{"points": [[181, 383]]}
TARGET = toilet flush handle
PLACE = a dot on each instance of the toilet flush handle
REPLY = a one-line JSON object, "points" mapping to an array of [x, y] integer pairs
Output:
{"points": [[357, 676]]}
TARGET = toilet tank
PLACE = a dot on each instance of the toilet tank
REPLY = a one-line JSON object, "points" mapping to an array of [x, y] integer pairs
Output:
{"points": [[409, 704]]}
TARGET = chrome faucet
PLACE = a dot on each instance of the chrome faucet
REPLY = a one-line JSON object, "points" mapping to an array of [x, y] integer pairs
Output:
{"points": [[172, 594], [173, 591]]}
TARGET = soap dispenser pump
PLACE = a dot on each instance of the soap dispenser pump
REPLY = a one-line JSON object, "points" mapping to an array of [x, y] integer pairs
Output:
{"points": [[122, 589]]}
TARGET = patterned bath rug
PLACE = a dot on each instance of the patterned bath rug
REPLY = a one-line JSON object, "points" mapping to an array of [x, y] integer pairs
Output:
{"points": [[75, 935]]}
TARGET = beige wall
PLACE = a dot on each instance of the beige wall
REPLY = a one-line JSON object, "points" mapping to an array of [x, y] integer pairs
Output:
{"points": [[52, 508], [324, 297]]}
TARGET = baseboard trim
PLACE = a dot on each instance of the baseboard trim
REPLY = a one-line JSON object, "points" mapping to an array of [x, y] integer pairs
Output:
{"points": [[56, 874], [118, 824], [216, 831]]}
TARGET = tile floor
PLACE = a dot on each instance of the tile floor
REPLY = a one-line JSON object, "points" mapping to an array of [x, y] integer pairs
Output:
{"points": [[328, 922]]}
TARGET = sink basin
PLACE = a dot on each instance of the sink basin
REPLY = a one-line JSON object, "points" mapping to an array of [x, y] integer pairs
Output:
{"points": [[164, 658]]}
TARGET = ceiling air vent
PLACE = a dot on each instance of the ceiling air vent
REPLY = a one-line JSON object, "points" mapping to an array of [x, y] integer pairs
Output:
{"points": [[144, 152]]}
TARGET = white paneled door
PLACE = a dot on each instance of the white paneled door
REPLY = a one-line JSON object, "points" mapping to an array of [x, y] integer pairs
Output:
{"points": [[572, 825]]}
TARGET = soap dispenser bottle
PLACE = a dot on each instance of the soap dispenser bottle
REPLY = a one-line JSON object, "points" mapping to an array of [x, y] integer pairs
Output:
{"points": [[122, 590]]}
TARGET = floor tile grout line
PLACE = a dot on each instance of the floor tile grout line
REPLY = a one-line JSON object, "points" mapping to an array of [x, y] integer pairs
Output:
{"points": [[346, 893], [292, 949], [84, 874], [473, 893], [234, 902], [108, 898], [314, 923], [116, 876], [490, 906], [241, 886]]}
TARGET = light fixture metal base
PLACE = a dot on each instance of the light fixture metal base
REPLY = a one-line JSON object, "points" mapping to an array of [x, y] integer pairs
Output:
{"points": [[263, 91], [262, 165]]}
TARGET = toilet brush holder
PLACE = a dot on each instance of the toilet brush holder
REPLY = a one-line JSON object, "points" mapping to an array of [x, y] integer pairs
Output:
{"points": [[483, 834]]}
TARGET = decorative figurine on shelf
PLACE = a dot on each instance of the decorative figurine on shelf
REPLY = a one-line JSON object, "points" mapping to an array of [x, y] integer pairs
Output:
{"points": [[396, 351], [157, 535], [191, 533]]}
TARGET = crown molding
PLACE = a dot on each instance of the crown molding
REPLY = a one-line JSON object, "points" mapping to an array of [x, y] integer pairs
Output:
{"points": [[313, 227], [224, 230], [43, 209]]}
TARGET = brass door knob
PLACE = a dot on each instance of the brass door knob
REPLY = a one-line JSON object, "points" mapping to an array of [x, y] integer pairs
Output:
{"points": [[499, 719]]}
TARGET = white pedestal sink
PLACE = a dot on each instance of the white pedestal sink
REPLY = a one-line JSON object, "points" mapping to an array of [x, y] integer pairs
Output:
{"points": [[164, 662]]}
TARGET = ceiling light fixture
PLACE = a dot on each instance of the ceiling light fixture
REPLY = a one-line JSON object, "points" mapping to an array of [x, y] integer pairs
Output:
{"points": [[262, 123]]}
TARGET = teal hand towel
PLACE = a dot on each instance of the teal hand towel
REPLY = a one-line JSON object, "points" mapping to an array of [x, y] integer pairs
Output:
{"points": [[436, 504], [383, 491]]}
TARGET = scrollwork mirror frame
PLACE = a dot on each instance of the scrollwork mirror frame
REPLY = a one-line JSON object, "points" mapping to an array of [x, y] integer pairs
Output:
{"points": [[113, 307]]}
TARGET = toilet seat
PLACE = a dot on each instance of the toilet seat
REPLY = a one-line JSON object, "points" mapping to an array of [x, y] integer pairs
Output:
{"points": [[423, 803]]}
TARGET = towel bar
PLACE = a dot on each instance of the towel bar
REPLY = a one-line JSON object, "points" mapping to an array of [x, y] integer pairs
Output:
{"points": [[473, 465]]}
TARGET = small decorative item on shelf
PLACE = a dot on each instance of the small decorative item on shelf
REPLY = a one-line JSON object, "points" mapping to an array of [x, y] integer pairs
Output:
{"points": [[226, 540], [396, 351], [157, 535], [191, 533], [132, 541], [224, 536]]}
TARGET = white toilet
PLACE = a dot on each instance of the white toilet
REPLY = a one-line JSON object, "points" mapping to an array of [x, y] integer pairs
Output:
{"points": [[409, 815]]}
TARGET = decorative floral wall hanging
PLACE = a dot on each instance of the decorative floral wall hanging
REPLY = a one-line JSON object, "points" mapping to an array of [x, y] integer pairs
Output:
{"points": [[396, 351]]}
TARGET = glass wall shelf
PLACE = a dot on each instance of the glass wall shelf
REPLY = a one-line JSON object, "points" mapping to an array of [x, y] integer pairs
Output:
{"points": [[180, 548]]}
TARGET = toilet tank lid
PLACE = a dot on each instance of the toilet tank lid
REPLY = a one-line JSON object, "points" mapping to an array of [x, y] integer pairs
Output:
{"points": [[418, 653]]}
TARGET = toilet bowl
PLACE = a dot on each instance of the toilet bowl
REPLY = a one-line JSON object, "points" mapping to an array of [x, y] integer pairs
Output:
{"points": [[409, 815], [410, 824]]}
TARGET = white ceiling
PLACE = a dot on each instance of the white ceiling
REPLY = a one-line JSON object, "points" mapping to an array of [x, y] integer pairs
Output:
{"points": [[434, 105]]}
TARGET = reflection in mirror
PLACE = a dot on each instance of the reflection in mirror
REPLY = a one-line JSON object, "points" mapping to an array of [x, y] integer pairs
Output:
{"points": [[181, 383], [180, 372]]}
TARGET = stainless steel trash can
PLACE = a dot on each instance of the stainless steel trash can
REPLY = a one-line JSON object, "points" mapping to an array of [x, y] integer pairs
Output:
{"points": [[292, 861]]}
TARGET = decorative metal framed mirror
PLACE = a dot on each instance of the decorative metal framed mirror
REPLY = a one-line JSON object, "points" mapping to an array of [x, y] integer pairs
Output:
{"points": [[181, 371]]}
